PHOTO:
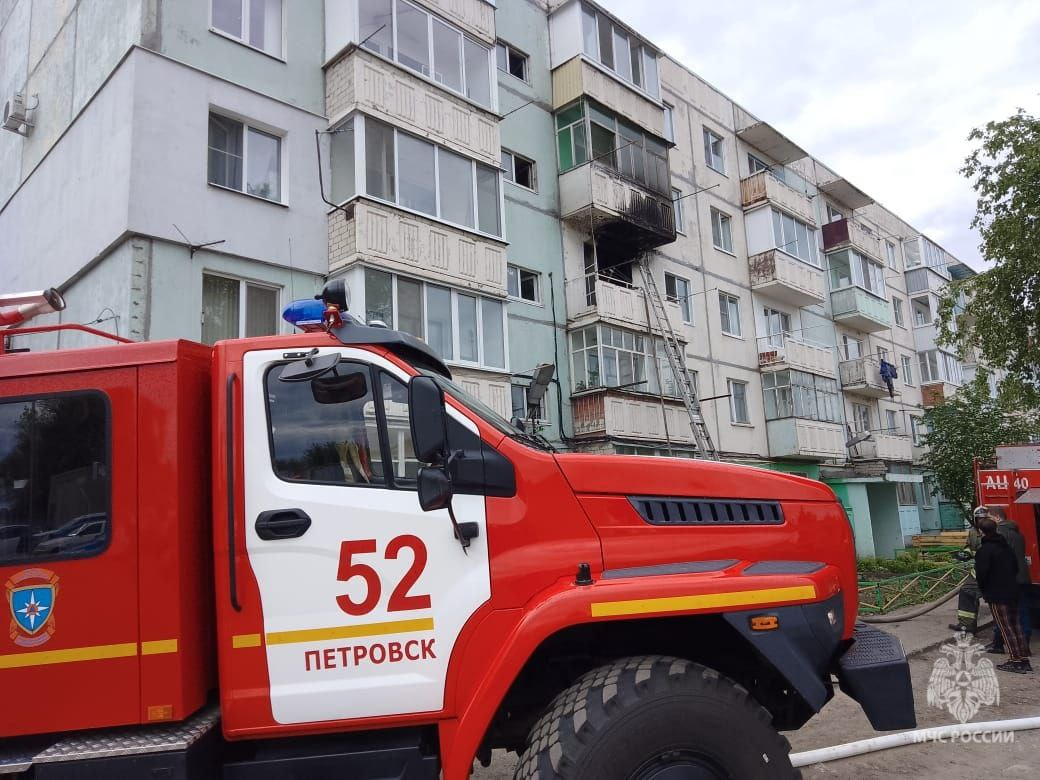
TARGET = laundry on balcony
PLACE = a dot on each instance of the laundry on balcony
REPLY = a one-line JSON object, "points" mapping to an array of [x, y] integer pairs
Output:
{"points": [[888, 373]]}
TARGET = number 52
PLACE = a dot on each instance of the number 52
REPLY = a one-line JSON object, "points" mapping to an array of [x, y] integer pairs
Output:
{"points": [[400, 599]]}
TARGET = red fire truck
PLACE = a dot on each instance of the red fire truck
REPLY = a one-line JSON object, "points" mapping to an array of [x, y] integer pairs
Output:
{"points": [[1011, 480], [317, 556]]}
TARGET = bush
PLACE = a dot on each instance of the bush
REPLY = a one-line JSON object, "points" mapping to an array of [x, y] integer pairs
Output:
{"points": [[906, 562]]}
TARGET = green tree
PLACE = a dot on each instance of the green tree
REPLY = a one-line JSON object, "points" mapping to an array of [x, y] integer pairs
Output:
{"points": [[1001, 316], [972, 424]]}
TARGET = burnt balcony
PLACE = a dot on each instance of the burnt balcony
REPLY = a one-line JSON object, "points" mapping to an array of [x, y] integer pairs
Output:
{"points": [[595, 197], [779, 352], [608, 411], [863, 377], [850, 233], [763, 187], [779, 276]]}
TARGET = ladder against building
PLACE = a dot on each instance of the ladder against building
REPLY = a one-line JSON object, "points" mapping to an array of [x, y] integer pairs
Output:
{"points": [[676, 361]]}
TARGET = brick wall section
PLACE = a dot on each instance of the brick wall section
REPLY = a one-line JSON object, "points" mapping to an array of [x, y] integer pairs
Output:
{"points": [[342, 237]]}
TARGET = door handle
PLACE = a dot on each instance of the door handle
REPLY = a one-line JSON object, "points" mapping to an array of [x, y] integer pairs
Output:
{"points": [[282, 524]]}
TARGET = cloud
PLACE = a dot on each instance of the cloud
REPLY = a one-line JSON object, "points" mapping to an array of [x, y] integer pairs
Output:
{"points": [[884, 92]]}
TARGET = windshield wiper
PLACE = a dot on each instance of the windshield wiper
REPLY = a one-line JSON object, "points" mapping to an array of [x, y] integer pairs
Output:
{"points": [[535, 440]]}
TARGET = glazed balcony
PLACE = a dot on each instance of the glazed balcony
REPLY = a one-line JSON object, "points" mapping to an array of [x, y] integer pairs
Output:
{"points": [[850, 233], [579, 77], [780, 352], [592, 298], [855, 308], [611, 412], [863, 377], [762, 187], [596, 197], [780, 276], [793, 437]]}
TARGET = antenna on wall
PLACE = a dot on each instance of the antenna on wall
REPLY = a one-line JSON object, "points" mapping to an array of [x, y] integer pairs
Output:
{"points": [[192, 246]]}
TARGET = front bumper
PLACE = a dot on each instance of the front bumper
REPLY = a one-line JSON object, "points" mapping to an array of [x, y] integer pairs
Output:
{"points": [[874, 671]]}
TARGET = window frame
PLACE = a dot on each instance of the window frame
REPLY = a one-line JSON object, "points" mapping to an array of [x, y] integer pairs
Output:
{"points": [[709, 155], [509, 174], [635, 42], [247, 125], [242, 40], [685, 301], [733, 415], [544, 418], [510, 268], [109, 454], [669, 122], [907, 368], [801, 395], [732, 305], [783, 243], [677, 211], [243, 289], [507, 47], [723, 222], [898, 316]]}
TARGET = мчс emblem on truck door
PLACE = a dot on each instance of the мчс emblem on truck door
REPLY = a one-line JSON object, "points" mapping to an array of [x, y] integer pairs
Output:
{"points": [[31, 594]]}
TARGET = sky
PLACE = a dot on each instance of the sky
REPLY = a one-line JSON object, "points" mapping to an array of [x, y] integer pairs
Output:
{"points": [[882, 92]]}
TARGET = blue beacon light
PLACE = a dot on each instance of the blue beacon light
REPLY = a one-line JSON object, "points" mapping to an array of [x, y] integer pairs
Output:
{"points": [[305, 314]]}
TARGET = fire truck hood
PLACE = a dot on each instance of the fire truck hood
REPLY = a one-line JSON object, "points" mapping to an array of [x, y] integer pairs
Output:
{"points": [[680, 477]]}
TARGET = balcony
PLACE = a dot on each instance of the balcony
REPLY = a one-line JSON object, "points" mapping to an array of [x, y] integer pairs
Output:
{"points": [[578, 76], [885, 446], [763, 188], [863, 377], [610, 412], [404, 242], [592, 298], [849, 233], [856, 308], [633, 218], [793, 437], [936, 393], [779, 352], [779, 276]]}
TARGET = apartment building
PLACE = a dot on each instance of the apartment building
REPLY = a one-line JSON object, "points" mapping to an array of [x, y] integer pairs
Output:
{"points": [[494, 178]]}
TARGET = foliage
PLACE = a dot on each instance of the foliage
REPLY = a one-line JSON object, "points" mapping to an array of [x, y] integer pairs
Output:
{"points": [[972, 424], [906, 562], [1000, 316]]}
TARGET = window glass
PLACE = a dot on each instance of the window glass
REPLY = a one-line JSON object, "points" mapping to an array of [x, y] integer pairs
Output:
{"points": [[341, 160], [379, 160], [438, 320], [713, 151], [738, 402], [447, 56], [416, 174], [398, 427], [589, 32], [677, 210], [410, 306], [468, 328], [604, 145], [265, 25], [622, 55], [225, 151], [264, 165], [413, 40], [376, 26], [493, 333], [651, 85], [637, 65], [456, 183], [227, 16], [379, 302], [261, 311], [55, 483], [906, 370], [220, 313], [606, 50], [478, 73], [721, 236], [335, 441], [487, 200], [729, 309]]}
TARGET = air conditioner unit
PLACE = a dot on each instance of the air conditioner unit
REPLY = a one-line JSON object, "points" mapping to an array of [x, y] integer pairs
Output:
{"points": [[18, 114]]}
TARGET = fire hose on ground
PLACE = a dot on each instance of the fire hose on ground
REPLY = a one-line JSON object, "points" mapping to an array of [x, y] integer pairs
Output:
{"points": [[916, 737], [912, 614]]}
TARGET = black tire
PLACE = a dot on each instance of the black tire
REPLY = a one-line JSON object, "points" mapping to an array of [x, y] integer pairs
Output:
{"points": [[651, 717]]}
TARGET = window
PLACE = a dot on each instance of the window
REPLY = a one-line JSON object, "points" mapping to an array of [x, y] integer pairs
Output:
{"points": [[245, 159], [511, 61], [729, 310], [851, 348], [677, 290], [714, 152], [669, 123], [738, 411], [525, 285], [860, 417], [882, 353], [756, 165], [794, 237], [778, 326], [890, 253], [798, 394], [897, 311], [721, 237], [613, 46], [906, 370], [234, 308], [518, 170], [848, 268], [916, 430], [421, 176], [55, 482], [427, 45], [833, 215], [906, 493], [892, 422], [523, 410], [456, 325], [614, 143], [677, 210], [603, 356], [257, 23]]}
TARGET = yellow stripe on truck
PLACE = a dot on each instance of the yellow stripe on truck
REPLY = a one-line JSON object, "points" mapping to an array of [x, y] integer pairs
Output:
{"points": [[159, 647], [350, 632], [740, 598], [68, 655]]}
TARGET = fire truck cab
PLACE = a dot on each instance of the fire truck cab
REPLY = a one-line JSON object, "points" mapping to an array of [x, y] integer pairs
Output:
{"points": [[1012, 481], [318, 556]]}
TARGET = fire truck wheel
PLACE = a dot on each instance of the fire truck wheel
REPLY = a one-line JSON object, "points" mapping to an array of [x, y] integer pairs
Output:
{"points": [[654, 718]]}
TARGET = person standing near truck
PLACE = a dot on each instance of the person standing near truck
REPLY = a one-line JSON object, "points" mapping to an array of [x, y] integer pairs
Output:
{"points": [[996, 569], [968, 598], [1011, 533]]}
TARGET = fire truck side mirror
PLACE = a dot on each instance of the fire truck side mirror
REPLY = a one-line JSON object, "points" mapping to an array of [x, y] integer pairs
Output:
{"points": [[435, 489], [428, 420]]}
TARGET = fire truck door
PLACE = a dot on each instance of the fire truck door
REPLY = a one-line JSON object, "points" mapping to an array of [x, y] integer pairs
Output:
{"points": [[363, 593]]}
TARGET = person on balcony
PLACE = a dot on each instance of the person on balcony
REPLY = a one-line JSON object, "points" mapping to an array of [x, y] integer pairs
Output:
{"points": [[888, 373]]}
